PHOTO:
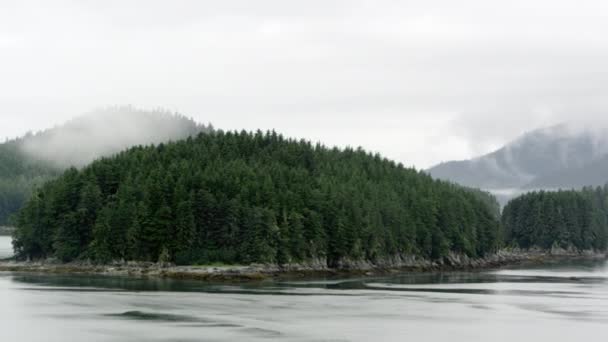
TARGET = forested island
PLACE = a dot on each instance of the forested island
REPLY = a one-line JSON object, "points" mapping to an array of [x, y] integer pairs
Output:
{"points": [[575, 220], [240, 198]]}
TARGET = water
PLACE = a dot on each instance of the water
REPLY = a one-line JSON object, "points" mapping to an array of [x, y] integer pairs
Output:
{"points": [[6, 248], [560, 302]]}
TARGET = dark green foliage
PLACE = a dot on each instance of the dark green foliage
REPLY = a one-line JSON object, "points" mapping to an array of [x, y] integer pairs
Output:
{"points": [[490, 201], [251, 198], [566, 219], [29, 162]]}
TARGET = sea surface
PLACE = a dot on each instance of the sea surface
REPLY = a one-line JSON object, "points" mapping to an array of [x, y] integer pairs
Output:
{"points": [[556, 302], [6, 248]]}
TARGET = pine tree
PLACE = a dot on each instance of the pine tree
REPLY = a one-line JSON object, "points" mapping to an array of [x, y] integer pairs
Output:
{"points": [[260, 198]]}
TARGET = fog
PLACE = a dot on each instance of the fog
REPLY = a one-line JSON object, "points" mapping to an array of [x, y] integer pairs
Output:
{"points": [[565, 156], [569, 144], [104, 132], [419, 81]]}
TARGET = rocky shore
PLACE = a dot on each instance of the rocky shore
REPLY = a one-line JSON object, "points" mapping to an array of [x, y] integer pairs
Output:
{"points": [[315, 268]]}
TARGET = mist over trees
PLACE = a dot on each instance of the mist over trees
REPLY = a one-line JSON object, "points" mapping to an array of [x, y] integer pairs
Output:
{"points": [[251, 197], [28, 162], [105, 132], [566, 156], [18, 177]]}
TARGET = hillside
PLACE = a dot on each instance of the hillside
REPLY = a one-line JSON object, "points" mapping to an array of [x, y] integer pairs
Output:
{"points": [[28, 162], [251, 198], [594, 173], [563, 156]]}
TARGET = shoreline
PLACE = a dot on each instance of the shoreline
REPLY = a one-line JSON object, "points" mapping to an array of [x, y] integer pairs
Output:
{"points": [[453, 262]]}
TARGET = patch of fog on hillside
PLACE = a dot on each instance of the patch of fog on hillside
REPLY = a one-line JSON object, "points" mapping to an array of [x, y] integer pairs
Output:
{"points": [[105, 132], [538, 154], [503, 167]]}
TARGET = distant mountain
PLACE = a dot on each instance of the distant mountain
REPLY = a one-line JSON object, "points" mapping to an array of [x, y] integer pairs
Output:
{"points": [[595, 173], [29, 161], [564, 156]]}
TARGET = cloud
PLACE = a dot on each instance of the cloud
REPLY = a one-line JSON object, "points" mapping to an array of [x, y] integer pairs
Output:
{"points": [[105, 132], [420, 81]]}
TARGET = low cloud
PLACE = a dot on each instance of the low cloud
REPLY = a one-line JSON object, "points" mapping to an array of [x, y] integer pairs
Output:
{"points": [[482, 73], [105, 132]]}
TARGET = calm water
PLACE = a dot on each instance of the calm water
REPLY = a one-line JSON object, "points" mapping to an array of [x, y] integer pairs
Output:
{"points": [[6, 248], [552, 303]]}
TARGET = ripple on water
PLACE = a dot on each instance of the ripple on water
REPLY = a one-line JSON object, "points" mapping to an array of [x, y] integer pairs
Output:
{"points": [[159, 317]]}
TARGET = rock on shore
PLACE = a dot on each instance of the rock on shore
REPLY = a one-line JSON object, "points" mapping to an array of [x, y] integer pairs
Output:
{"points": [[318, 266]]}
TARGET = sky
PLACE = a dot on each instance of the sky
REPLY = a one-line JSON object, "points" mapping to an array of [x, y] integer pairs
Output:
{"points": [[418, 81]]}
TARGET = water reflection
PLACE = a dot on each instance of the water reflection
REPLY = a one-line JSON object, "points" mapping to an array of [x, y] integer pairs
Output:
{"points": [[580, 272]]}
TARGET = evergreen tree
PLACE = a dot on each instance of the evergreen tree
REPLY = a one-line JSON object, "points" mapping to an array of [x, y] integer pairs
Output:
{"points": [[260, 198], [566, 219]]}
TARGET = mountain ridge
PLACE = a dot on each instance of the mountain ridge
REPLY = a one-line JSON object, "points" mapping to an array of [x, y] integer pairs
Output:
{"points": [[561, 156]]}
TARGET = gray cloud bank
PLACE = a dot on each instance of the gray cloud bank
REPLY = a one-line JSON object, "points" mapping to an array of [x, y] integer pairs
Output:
{"points": [[419, 81]]}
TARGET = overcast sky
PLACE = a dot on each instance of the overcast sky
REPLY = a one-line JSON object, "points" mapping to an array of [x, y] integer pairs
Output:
{"points": [[419, 81]]}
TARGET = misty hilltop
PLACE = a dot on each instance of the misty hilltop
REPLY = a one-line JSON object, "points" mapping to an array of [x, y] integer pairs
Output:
{"points": [[35, 158], [105, 132], [563, 156]]}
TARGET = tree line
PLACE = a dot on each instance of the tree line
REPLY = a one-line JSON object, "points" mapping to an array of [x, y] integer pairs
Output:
{"points": [[252, 197], [565, 219]]}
